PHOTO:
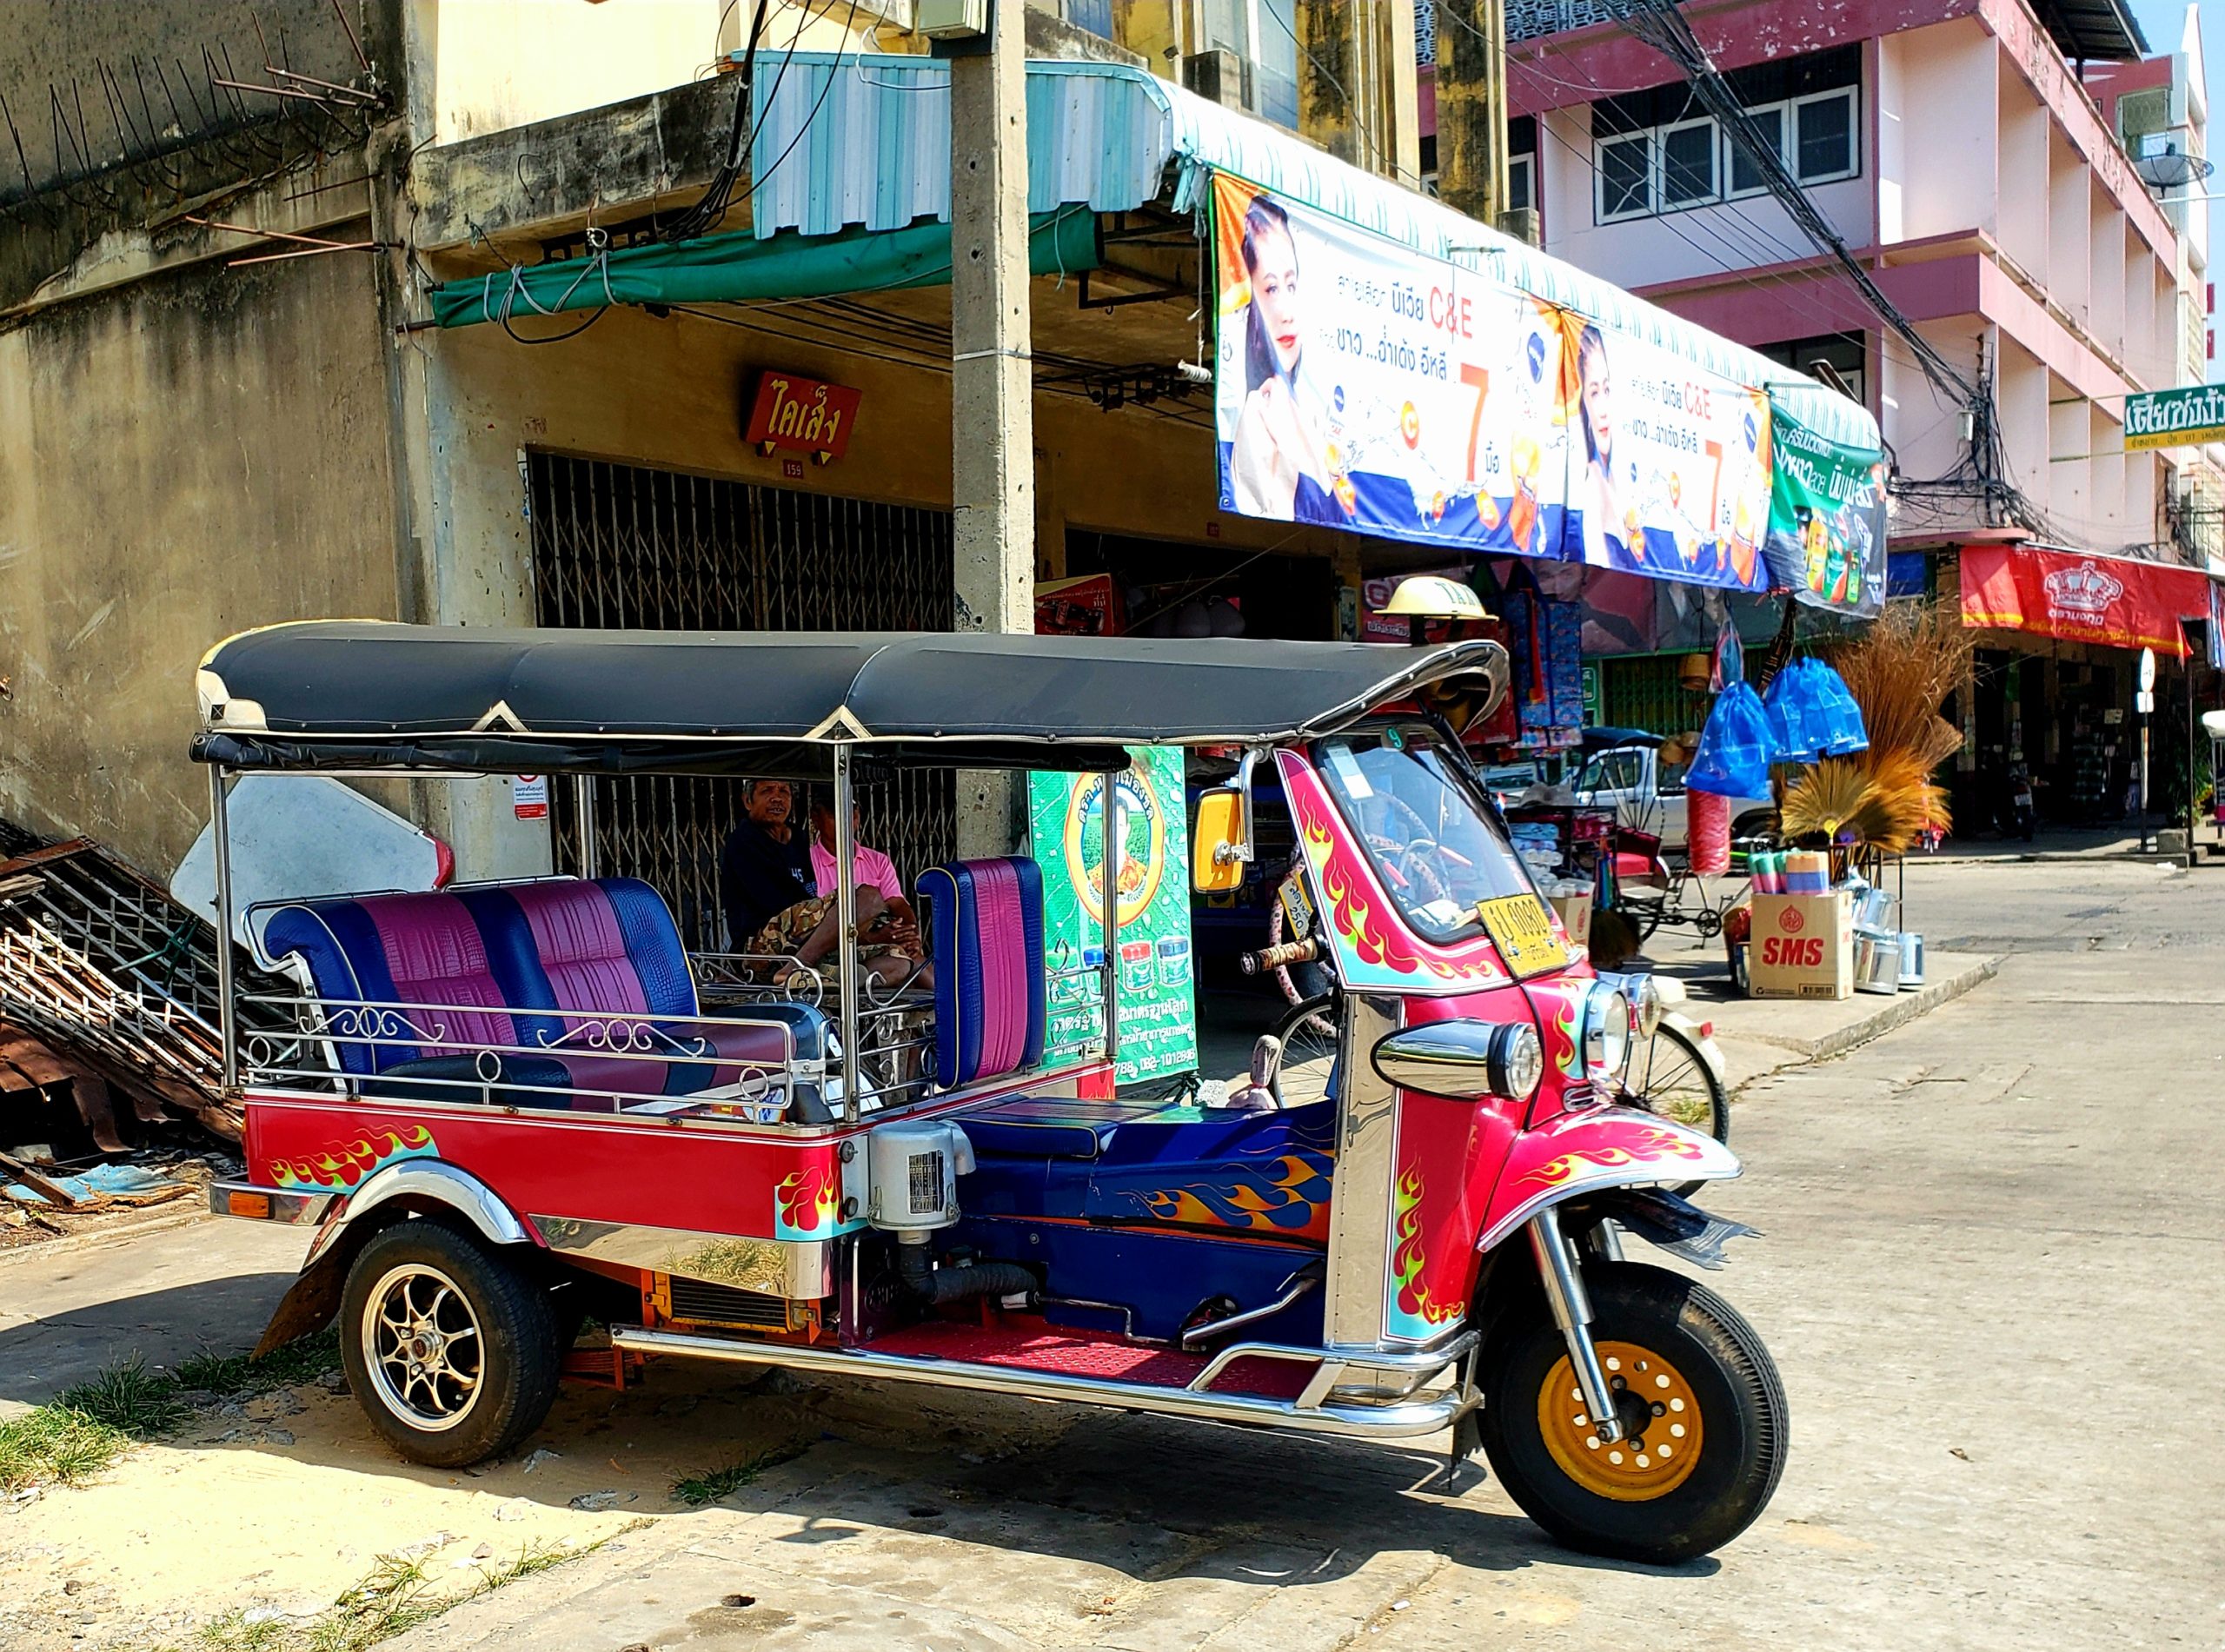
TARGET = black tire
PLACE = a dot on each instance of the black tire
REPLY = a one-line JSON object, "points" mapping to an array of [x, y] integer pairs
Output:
{"points": [[1672, 1077], [492, 1341], [1717, 1359]]}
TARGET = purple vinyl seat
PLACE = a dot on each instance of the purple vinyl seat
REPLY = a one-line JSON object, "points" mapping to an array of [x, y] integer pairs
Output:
{"points": [[985, 921], [591, 973]]}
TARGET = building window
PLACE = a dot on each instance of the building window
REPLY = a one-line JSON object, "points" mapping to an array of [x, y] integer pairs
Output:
{"points": [[1522, 182], [1656, 151], [1845, 356], [1823, 142], [1626, 176], [1745, 176], [1687, 164]]}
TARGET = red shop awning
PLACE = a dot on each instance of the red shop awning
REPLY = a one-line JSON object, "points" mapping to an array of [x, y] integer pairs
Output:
{"points": [[2110, 600]]}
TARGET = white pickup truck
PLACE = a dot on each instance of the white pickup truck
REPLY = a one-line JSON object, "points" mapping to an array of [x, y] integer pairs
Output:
{"points": [[1622, 767]]}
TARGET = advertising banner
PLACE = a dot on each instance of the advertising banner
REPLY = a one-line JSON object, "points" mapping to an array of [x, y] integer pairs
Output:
{"points": [[1668, 468], [1827, 520], [2182, 418], [1154, 976], [2107, 600], [1362, 385]]}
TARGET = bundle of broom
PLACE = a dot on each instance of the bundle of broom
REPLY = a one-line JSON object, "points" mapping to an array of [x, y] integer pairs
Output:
{"points": [[1899, 672]]}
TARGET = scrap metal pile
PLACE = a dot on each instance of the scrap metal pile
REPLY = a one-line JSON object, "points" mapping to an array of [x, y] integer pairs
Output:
{"points": [[107, 982]]}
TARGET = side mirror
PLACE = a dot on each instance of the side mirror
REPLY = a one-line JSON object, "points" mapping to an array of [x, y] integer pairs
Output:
{"points": [[1464, 1060], [1217, 848]]}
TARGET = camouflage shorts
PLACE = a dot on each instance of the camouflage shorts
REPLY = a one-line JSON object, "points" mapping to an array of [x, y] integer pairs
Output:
{"points": [[789, 929]]}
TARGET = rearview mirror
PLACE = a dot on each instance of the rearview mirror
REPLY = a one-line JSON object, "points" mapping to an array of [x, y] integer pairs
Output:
{"points": [[1216, 848]]}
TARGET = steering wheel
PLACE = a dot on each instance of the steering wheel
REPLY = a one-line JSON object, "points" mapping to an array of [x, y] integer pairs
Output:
{"points": [[1409, 860]]}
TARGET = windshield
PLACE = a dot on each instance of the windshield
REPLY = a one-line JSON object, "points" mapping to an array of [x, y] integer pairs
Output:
{"points": [[1434, 843]]}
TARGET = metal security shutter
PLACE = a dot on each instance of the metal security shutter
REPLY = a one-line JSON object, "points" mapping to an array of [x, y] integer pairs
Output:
{"points": [[625, 547]]}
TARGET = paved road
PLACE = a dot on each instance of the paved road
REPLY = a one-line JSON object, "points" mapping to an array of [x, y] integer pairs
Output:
{"points": [[1989, 1277]]}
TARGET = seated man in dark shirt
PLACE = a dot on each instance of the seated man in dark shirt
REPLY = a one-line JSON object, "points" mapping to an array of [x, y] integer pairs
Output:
{"points": [[768, 887]]}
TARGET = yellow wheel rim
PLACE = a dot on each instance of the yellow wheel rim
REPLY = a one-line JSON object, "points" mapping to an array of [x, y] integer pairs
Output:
{"points": [[1654, 1459]]}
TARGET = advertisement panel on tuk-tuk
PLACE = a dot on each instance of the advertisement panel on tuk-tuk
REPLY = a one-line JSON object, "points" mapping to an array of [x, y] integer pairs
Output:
{"points": [[1157, 1002]]}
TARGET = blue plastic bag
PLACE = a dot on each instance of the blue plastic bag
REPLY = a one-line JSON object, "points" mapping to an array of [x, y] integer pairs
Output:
{"points": [[1733, 759]]}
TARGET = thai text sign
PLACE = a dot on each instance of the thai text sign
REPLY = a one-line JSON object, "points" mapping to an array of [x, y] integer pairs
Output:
{"points": [[2108, 600], [802, 414], [1153, 967], [1363, 386], [2183, 418], [1827, 520]]}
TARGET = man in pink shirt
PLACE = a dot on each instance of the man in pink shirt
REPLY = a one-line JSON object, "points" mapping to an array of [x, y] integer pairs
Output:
{"points": [[898, 925]]}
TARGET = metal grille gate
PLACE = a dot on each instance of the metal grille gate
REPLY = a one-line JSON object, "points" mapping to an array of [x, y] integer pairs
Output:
{"points": [[627, 547]]}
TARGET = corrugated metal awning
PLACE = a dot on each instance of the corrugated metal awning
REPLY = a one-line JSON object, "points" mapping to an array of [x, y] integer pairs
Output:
{"points": [[850, 140]]}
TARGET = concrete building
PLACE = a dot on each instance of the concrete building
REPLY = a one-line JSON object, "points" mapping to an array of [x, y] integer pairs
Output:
{"points": [[1977, 183]]}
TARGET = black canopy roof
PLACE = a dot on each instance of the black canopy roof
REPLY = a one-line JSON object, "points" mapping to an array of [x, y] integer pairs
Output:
{"points": [[357, 693]]}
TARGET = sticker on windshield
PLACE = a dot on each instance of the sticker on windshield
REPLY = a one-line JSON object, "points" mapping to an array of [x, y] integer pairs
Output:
{"points": [[1354, 782], [1522, 929]]}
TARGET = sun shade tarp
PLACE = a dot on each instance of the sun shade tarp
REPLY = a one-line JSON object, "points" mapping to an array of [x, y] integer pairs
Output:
{"points": [[741, 268], [326, 693]]}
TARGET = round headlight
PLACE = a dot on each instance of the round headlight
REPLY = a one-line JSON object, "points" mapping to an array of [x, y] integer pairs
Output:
{"points": [[1518, 1062], [1606, 1031]]}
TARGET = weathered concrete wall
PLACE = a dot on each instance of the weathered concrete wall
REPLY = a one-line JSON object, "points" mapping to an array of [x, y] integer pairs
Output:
{"points": [[194, 453]]}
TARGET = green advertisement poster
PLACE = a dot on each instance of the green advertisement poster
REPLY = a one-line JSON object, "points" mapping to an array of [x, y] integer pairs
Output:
{"points": [[1827, 520], [1157, 997]]}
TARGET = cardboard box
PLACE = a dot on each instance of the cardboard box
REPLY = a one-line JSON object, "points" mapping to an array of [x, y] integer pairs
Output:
{"points": [[1575, 913], [1802, 947]]}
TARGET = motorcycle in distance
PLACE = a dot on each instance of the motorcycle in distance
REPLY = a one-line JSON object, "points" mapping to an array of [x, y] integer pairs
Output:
{"points": [[503, 1106], [2019, 816]]}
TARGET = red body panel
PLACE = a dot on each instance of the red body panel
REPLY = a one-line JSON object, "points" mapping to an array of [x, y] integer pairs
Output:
{"points": [[1598, 1147], [592, 1167]]}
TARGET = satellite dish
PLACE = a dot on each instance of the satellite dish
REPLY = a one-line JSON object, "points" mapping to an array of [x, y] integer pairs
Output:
{"points": [[2169, 169]]}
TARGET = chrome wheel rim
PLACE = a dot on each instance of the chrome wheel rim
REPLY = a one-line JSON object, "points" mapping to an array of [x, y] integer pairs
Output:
{"points": [[422, 1347]]}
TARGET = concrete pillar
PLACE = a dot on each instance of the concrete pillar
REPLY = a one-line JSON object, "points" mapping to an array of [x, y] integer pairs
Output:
{"points": [[992, 469], [1471, 107], [1331, 97]]}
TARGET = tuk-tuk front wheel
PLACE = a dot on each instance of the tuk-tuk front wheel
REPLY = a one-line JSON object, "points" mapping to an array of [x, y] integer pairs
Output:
{"points": [[1702, 1408], [450, 1351]]}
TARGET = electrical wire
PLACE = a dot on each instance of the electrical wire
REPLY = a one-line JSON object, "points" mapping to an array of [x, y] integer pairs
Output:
{"points": [[758, 179]]}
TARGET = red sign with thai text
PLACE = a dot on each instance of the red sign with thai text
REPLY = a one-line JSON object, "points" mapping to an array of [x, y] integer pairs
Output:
{"points": [[804, 415], [2112, 600]]}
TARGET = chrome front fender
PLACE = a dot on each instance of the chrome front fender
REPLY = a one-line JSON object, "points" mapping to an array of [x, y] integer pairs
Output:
{"points": [[1599, 1147]]}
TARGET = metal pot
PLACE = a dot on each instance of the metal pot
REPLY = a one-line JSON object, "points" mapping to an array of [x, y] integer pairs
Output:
{"points": [[1876, 961], [1911, 960], [1873, 909]]}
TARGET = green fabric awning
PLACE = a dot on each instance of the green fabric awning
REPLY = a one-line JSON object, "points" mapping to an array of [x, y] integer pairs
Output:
{"points": [[741, 268]]}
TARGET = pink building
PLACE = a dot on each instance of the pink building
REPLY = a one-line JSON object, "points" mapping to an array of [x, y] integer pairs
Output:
{"points": [[1952, 146], [1989, 197]]}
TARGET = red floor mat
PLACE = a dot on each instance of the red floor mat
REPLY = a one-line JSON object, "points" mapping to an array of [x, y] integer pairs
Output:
{"points": [[1078, 1353]]}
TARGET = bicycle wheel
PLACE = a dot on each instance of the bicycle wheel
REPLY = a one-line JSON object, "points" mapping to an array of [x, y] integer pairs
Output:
{"points": [[1669, 1075], [1308, 1033]]}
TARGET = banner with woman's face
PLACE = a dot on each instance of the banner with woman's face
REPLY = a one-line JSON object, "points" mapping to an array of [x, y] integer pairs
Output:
{"points": [[1362, 385]]}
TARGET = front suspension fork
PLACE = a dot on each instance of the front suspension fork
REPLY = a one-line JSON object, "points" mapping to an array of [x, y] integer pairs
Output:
{"points": [[1572, 1308]]}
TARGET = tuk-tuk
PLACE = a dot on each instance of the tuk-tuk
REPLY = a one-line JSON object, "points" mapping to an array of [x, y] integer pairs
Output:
{"points": [[503, 1107]]}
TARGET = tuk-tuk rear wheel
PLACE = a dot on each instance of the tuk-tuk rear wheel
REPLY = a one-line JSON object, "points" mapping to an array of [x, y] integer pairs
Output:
{"points": [[1705, 1372], [449, 1349]]}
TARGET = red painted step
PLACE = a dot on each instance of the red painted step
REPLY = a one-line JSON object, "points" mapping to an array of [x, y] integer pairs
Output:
{"points": [[1102, 1358]]}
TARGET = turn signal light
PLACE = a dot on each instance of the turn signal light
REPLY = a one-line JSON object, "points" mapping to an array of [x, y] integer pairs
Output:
{"points": [[254, 1204]]}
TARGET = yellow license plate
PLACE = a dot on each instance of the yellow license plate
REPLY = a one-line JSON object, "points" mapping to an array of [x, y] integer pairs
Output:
{"points": [[1522, 929]]}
